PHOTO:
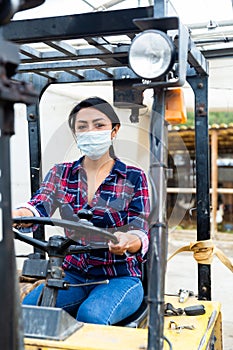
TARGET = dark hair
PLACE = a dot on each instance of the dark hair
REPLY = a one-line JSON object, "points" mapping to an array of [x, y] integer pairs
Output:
{"points": [[97, 103]]}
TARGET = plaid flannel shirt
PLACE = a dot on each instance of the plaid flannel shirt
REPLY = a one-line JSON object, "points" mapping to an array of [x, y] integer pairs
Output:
{"points": [[121, 203]]}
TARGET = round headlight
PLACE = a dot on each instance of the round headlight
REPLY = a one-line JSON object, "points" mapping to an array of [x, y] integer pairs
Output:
{"points": [[151, 54]]}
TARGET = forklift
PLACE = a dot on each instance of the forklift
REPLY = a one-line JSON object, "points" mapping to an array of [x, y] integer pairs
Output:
{"points": [[161, 56]]}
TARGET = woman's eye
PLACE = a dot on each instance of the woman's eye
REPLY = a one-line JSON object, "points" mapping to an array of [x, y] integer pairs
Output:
{"points": [[99, 125], [81, 127]]}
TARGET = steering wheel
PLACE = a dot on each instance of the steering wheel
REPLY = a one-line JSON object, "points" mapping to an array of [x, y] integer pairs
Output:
{"points": [[79, 229], [91, 237], [57, 247]]}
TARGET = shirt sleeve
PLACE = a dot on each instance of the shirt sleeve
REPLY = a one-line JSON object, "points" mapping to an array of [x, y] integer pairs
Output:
{"points": [[44, 200], [42, 204], [138, 213]]}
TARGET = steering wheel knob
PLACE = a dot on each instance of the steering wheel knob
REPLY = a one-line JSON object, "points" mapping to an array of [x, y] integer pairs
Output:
{"points": [[85, 214]]}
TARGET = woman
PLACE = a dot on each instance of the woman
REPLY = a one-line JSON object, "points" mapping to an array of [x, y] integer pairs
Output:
{"points": [[117, 195]]}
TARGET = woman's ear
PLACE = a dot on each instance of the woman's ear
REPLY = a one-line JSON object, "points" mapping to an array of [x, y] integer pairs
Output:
{"points": [[115, 130]]}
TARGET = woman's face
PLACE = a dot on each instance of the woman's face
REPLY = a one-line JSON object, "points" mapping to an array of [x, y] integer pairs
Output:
{"points": [[91, 119]]}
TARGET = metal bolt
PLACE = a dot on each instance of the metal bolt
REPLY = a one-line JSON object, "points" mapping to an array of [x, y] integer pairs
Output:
{"points": [[200, 110], [200, 85]]}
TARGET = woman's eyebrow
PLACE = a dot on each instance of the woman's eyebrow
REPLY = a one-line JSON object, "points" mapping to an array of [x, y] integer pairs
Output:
{"points": [[98, 119], [93, 121], [81, 121]]}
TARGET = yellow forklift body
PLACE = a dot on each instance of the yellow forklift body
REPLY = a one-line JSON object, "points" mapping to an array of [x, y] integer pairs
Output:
{"points": [[99, 337]]}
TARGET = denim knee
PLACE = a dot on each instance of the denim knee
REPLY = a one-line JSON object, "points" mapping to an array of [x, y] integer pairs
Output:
{"points": [[112, 303]]}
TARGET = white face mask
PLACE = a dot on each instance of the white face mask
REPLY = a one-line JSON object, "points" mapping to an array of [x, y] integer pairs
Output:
{"points": [[94, 143]]}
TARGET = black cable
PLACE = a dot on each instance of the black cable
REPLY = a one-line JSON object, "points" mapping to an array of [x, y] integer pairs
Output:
{"points": [[168, 341]]}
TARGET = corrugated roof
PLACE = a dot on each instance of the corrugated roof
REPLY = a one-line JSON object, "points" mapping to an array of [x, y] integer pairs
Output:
{"points": [[180, 136]]}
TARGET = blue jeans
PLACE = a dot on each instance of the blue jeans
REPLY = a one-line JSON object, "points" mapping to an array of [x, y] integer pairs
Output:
{"points": [[99, 304]]}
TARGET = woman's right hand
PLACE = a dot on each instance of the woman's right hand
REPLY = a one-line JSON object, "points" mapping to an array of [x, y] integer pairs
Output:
{"points": [[22, 212]]}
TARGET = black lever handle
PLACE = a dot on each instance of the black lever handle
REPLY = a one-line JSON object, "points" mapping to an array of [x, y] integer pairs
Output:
{"points": [[85, 214]]}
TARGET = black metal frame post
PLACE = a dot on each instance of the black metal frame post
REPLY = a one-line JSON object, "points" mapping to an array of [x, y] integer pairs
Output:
{"points": [[11, 338], [158, 220], [34, 136], [199, 85], [34, 146], [9, 334], [158, 217]]}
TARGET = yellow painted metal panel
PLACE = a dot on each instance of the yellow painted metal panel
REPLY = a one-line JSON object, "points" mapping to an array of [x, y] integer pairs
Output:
{"points": [[186, 338], [98, 337]]}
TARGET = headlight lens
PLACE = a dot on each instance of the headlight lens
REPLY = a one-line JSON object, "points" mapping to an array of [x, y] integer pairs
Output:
{"points": [[151, 54]]}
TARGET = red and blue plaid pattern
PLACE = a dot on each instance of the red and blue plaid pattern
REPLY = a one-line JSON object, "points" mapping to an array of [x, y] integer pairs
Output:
{"points": [[121, 203]]}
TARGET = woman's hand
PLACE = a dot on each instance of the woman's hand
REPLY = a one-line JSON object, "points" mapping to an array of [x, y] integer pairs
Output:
{"points": [[22, 212], [127, 242]]}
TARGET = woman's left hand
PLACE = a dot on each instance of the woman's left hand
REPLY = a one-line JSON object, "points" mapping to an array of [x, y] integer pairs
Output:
{"points": [[126, 242]]}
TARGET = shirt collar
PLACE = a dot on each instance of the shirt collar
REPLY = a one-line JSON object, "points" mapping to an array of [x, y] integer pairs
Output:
{"points": [[119, 167], [77, 165]]}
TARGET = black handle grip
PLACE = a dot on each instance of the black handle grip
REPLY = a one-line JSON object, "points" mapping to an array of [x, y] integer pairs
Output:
{"points": [[194, 310]]}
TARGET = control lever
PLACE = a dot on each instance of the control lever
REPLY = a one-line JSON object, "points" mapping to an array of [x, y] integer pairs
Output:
{"points": [[170, 310], [184, 294], [194, 310], [85, 216]]}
